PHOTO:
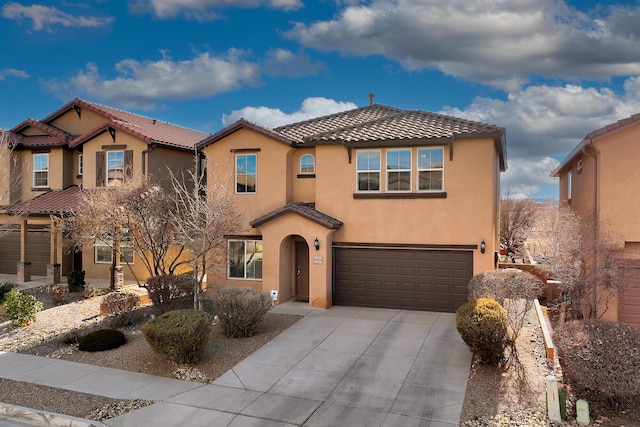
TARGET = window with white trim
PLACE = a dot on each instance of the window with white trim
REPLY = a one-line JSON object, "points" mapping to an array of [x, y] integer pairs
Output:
{"points": [[399, 169], [368, 170], [245, 259], [115, 168], [104, 249], [569, 184], [246, 173], [431, 169], [41, 170], [307, 164], [80, 165]]}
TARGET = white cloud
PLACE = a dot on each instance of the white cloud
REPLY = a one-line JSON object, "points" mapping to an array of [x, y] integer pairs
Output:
{"points": [[274, 117], [283, 62], [498, 42], [12, 72], [45, 17], [142, 84], [205, 10], [526, 177]]}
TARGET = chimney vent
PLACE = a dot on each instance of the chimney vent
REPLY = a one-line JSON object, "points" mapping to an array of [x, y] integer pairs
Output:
{"points": [[371, 95], [155, 121]]}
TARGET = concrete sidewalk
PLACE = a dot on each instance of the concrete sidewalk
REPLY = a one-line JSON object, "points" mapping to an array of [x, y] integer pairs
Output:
{"points": [[345, 366]]}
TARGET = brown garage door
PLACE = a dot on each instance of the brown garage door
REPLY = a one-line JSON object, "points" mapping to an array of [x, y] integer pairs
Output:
{"points": [[37, 250], [410, 279], [629, 306]]}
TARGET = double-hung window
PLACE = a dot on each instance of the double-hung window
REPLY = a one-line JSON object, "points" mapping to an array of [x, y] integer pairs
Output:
{"points": [[246, 173], [368, 165], [245, 259], [104, 248], [41, 170], [431, 169], [115, 168], [399, 170]]}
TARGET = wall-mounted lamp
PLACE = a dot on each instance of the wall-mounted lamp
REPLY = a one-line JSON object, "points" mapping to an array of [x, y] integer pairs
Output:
{"points": [[316, 243], [483, 246]]}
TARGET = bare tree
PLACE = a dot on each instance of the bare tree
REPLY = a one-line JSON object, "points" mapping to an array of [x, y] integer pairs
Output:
{"points": [[516, 220], [203, 215], [10, 178]]}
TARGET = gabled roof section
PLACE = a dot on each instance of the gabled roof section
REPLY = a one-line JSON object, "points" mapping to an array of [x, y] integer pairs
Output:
{"points": [[588, 139], [244, 124], [305, 210], [151, 130], [55, 137], [54, 202]]}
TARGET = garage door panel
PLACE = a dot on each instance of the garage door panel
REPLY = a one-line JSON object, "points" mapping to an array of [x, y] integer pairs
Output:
{"points": [[402, 278], [629, 307], [37, 250]]}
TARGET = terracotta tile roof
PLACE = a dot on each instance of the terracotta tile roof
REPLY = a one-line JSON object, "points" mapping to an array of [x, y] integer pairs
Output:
{"points": [[55, 137], [241, 124], [54, 202], [305, 210], [148, 129], [380, 123], [592, 135]]}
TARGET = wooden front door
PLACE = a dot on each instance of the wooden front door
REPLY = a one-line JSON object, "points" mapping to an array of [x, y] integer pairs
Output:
{"points": [[302, 271]]}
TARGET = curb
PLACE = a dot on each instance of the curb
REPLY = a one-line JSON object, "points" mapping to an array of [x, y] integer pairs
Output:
{"points": [[36, 418]]}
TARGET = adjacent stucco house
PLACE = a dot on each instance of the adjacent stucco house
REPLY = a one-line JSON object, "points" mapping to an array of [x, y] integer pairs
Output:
{"points": [[599, 180], [80, 146], [375, 206]]}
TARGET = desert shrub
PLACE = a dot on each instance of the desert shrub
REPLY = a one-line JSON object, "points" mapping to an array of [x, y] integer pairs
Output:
{"points": [[102, 340], [240, 310], [171, 292], [181, 335], [21, 308], [122, 307], [4, 289], [57, 293], [482, 324], [601, 358], [89, 291], [75, 280]]}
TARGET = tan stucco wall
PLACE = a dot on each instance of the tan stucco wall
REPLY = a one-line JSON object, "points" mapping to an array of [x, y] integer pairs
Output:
{"points": [[304, 189], [159, 159], [58, 179], [74, 125]]}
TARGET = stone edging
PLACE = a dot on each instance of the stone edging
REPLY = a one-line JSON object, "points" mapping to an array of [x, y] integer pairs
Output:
{"points": [[34, 417]]}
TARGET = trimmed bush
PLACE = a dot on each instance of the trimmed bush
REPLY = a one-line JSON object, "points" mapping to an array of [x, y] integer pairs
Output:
{"points": [[240, 310], [601, 358], [75, 280], [21, 308], [122, 306], [102, 340], [482, 324], [4, 289], [171, 292], [181, 335]]}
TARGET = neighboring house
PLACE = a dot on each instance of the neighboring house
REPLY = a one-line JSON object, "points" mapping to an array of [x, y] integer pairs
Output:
{"points": [[82, 145], [376, 206], [599, 180]]}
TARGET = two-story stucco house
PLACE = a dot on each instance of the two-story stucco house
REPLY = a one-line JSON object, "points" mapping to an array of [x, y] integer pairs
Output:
{"points": [[599, 180], [375, 206], [80, 146]]}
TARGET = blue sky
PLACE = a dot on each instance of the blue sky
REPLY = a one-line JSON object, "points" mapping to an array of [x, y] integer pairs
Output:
{"points": [[549, 71]]}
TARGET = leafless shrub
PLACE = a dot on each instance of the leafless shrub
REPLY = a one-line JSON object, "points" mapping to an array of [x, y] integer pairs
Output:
{"points": [[516, 220], [57, 293], [240, 310], [171, 292], [122, 307]]}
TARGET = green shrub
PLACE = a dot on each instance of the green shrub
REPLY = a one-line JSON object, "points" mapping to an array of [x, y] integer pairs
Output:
{"points": [[600, 359], [171, 292], [122, 308], [4, 289], [181, 335], [482, 324], [75, 280], [102, 340], [240, 310], [21, 308]]}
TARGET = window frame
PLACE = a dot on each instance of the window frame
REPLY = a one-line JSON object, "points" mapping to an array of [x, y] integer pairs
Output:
{"points": [[304, 169], [368, 171], [126, 241], [399, 170], [246, 261], [569, 184], [40, 170], [106, 168], [80, 164], [254, 174], [429, 169]]}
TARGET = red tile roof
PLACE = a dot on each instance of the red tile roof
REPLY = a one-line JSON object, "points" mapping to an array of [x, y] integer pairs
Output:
{"points": [[242, 124], [305, 210], [54, 202]]}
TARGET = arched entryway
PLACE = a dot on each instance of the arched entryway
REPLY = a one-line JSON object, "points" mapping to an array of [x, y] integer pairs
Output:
{"points": [[301, 266]]}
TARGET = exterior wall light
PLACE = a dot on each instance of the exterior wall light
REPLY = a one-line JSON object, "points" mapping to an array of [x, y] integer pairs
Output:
{"points": [[483, 246], [316, 243]]}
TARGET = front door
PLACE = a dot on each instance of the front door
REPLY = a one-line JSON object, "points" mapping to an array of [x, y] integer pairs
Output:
{"points": [[302, 271]]}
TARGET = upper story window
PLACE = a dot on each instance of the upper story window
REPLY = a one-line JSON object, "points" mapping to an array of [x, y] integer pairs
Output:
{"points": [[368, 166], [569, 184], [246, 173], [431, 169], [113, 167], [307, 164], [399, 170], [80, 165], [245, 259], [41, 170]]}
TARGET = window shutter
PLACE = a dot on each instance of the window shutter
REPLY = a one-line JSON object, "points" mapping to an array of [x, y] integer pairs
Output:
{"points": [[100, 173], [128, 164]]}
